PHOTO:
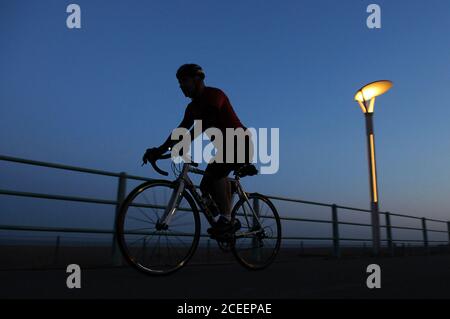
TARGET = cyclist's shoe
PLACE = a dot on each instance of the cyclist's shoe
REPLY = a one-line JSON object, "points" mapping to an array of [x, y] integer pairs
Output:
{"points": [[223, 226]]}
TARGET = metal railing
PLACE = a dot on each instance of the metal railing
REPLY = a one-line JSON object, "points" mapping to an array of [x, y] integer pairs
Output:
{"points": [[336, 239]]}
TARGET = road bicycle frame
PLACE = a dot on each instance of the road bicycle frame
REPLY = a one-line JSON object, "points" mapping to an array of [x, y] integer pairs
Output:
{"points": [[184, 182]]}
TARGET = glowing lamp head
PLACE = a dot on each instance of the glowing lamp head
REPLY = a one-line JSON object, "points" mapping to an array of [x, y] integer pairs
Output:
{"points": [[369, 92]]}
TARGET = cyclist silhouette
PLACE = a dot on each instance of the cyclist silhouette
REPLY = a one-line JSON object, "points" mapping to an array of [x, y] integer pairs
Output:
{"points": [[213, 107]]}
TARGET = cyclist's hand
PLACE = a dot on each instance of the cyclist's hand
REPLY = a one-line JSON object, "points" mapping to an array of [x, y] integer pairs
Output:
{"points": [[151, 154]]}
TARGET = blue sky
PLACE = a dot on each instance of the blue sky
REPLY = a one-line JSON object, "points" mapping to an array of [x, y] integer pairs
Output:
{"points": [[99, 96]]}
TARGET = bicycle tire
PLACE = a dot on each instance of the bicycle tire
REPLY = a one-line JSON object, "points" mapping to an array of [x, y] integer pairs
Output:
{"points": [[124, 208], [235, 249]]}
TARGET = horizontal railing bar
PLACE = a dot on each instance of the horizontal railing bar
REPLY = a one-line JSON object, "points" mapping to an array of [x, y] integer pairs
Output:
{"points": [[56, 229], [409, 240], [297, 200], [438, 241], [435, 220], [353, 224], [345, 207], [405, 227], [413, 228], [78, 199], [437, 231], [58, 166], [71, 168], [103, 231], [111, 202], [356, 209], [59, 197], [107, 173], [419, 241], [99, 231], [355, 239], [307, 238], [306, 220], [406, 216]]}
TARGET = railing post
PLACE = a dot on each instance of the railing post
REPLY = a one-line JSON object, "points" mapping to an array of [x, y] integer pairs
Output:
{"points": [[121, 189], [389, 233], [336, 247], [425, 234]]}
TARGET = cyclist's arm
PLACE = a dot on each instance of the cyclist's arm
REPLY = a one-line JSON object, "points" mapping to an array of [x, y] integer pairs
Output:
{"points": [[186, 123]]}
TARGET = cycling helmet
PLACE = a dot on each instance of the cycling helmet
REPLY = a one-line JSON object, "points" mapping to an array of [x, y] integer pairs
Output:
{"points": [[190, 70]]}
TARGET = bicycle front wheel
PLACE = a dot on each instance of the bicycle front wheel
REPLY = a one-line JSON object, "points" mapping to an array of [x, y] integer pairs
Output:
{"points": [[258, 241], [149, 249]]}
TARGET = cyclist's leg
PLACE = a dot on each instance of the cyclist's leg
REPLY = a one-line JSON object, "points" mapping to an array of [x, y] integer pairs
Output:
{"points": [[222, 196], [219, 185], [215, 183]]}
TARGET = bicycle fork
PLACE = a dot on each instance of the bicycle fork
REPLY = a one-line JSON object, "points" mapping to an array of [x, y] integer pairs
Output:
{"points": [[174, 202]]}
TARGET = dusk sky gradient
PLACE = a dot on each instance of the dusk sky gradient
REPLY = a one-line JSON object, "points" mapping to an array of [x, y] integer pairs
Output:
{"points": [[99, 96]]}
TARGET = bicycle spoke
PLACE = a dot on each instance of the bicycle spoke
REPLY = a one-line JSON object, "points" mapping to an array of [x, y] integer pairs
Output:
{"points": [[146, 238], [145, 215], [157, 251], [268, 241], [147, 256], [174, 248], [270, 226], [178, 215], [141, 220], [156, 246], [167, 246], [155, 203], [182, 242], [139, 239]]}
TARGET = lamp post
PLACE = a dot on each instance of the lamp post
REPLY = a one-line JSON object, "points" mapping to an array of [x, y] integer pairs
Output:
{"points": [[366, 100]]}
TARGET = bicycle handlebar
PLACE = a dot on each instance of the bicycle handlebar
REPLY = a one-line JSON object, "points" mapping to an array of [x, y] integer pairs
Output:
{"points": [[165, 156]]}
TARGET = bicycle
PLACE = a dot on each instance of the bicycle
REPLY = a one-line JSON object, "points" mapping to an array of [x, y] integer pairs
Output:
{"points": [[142, 225]]}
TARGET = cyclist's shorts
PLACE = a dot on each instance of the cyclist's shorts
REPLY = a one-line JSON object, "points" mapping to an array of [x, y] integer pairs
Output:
{"points": [[218, 170], [242, 153]]}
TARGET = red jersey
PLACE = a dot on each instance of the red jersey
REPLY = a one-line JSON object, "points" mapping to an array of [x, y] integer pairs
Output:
{"points": [[214, 109]]}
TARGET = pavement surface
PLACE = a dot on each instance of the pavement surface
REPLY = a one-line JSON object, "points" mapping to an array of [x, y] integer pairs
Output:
{"points": [[305, 278]]}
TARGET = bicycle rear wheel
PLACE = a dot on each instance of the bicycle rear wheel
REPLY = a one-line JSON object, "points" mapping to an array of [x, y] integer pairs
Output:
{"points": [[151, 250], [258, 241]]}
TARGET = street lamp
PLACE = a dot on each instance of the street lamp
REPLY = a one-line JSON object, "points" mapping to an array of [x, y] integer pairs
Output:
{"points": [[366, 100]]}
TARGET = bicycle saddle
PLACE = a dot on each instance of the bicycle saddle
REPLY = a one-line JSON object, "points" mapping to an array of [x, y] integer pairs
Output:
{"points": [[246, 170]]}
